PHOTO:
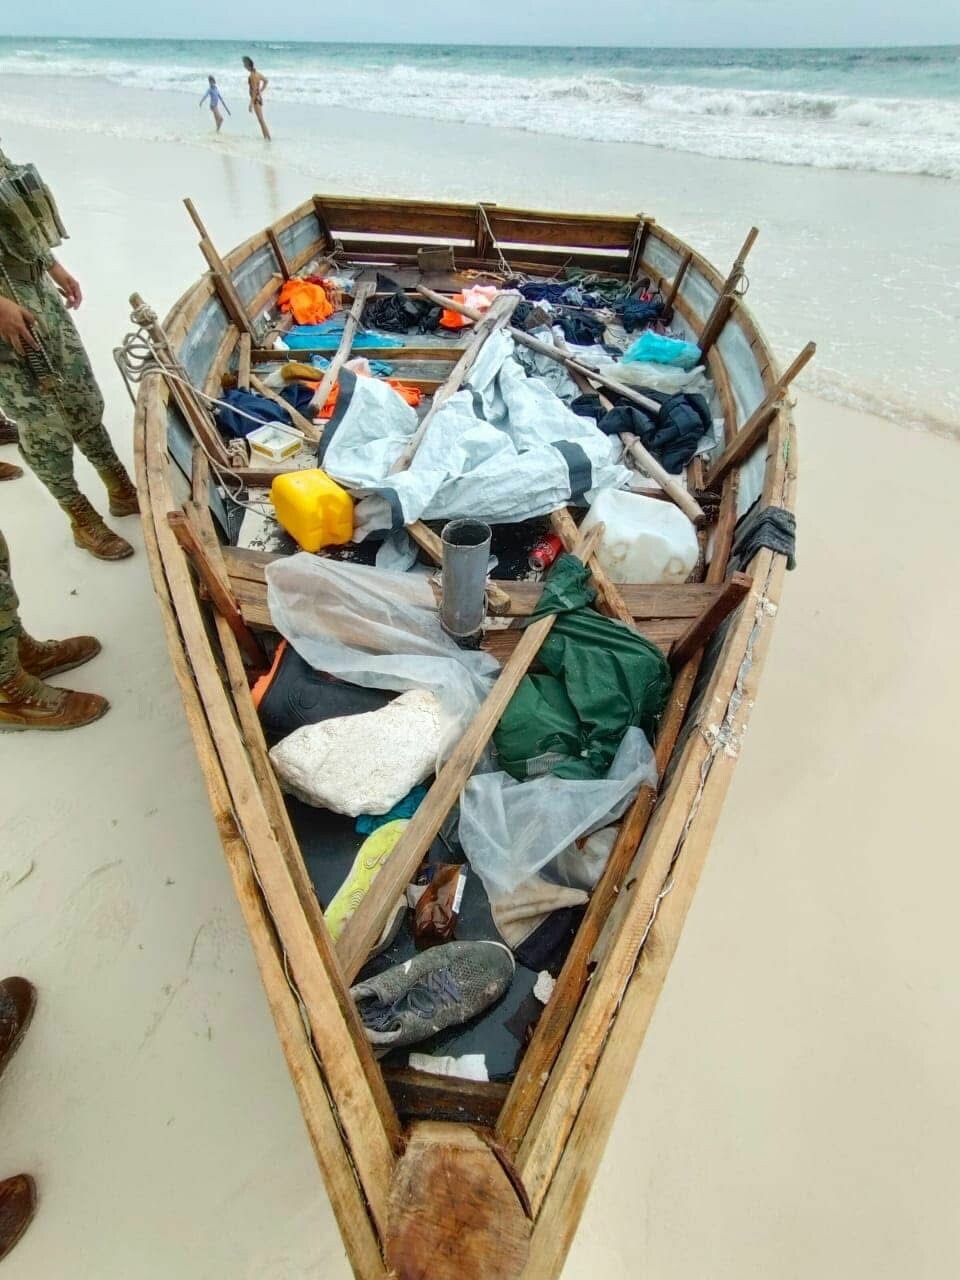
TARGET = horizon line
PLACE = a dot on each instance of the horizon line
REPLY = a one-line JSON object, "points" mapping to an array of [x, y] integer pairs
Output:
{"points": [[476, 44]]}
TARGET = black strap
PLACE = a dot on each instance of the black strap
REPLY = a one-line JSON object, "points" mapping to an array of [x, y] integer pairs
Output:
{"points": [[579, 467]]}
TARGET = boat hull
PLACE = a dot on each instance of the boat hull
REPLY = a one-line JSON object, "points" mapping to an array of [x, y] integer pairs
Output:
{"points": [[426, 1179]]}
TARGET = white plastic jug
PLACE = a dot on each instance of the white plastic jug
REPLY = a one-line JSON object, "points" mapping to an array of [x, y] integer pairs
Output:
{"points": [[645, 539]]}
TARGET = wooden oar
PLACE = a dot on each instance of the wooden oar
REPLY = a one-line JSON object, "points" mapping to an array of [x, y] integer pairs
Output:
{"points": [[366, 924], [684, 500]]}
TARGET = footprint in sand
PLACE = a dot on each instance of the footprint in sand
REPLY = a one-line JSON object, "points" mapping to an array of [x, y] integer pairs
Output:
{"points": [[96, 921]]}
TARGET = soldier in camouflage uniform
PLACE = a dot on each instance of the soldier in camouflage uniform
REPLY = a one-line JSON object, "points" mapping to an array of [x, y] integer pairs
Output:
{"points": [[26, 700], [46, 382]]}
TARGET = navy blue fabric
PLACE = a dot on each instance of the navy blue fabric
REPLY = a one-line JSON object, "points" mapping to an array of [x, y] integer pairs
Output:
{"points": [[671, 435], [236, 424], [638, 315]]}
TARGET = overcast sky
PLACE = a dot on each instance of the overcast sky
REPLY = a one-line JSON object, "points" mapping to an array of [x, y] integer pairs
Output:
{"points": [[600, 22]]}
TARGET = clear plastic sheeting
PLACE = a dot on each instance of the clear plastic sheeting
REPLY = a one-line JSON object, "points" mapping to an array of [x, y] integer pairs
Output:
{"points": [[510, 829], [503, 449], [379, 630]]}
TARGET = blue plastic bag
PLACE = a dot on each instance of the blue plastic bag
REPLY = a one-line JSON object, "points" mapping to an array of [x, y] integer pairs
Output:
{"points": [[657, 349]]}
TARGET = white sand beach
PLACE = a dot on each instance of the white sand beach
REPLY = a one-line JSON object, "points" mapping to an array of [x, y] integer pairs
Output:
{"points": [[794, 1111]]}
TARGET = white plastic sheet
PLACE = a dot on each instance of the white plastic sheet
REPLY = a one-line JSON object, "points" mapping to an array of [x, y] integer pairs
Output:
{"points": [[510, 829], [503, 449], [377, 629]]}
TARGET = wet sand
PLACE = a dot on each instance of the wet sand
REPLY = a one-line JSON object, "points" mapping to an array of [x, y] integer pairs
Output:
{"points": [[794, 1109]]}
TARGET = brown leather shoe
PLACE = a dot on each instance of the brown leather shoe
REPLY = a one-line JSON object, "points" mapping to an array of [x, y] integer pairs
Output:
{"points": [[18, 999], [28, 703], [121, 491], [8, 430], [92, 534], [18, 1204], [45, 658], [10, 471]]}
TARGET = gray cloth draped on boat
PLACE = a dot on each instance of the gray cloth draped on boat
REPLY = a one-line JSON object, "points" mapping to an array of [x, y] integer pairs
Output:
{"points": [[503, 449], [772, 527]]}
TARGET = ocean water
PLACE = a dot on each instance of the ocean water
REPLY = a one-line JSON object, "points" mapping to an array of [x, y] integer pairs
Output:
{"points": [[847, 159], [887, 110]]}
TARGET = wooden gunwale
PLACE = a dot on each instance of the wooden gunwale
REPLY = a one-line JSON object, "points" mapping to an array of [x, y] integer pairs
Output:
{"points": [[320, 1112], [556, 1154], [366, 1115]]}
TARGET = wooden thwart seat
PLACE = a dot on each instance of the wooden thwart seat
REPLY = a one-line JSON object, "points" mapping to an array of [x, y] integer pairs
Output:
{"points": [[661, 613]]}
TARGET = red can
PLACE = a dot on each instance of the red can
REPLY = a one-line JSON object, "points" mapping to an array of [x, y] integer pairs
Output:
{"points": [[543, 553]]}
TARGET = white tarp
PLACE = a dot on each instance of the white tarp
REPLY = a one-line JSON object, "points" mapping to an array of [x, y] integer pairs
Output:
{"points": [[502, 449]]}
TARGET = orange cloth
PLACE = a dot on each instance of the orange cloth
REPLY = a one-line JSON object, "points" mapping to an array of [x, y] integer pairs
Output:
{"points": [[308, 303], [453, 319], [480, 297], [412, 395]]}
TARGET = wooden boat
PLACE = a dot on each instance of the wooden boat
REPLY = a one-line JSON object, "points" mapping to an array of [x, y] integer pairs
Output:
{"points": [[433, 1176]]}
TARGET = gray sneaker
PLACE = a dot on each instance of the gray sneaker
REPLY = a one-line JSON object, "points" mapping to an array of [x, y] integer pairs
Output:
{"points": [[438, 988]]}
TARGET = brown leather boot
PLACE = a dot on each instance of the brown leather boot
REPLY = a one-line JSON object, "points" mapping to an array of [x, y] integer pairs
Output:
{"points": [[121, 491], [92, 534], [45, 658], [28, 703], [18, 999], [18, 1204], [8, 430], [10, 471]]}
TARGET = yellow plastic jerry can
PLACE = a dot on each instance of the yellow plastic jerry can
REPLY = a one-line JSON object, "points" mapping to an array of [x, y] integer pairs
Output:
{"points": [[313, 508]]}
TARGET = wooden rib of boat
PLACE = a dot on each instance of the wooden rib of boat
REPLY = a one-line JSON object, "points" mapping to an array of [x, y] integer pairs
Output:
{"points": [[433, 1176]]}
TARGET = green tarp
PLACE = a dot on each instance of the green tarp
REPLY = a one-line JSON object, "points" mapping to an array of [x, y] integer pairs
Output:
{"points": [[601, 678]]}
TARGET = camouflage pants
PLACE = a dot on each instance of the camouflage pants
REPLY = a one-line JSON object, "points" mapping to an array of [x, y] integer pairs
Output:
{"points": [[9, 617], [52, 422]]}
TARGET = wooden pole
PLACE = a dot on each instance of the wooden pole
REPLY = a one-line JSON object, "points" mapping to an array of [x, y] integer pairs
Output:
{"points": [[497, 317], [735, 591], [366, 924], [609, 599], [360, 296], [225, 287], [755, 428], [282, 264], [296, 417], [326, 234], [221, 597], [677, 282], [243, 362], [684, 500], [722, 307], [641, 235]]}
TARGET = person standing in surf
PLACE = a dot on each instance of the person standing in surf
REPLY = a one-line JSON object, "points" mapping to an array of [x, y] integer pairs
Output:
{"points": [[257, 83], [216, 101]]}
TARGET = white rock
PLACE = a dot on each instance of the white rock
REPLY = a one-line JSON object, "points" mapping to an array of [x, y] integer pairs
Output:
{"points": [[366, 763]]}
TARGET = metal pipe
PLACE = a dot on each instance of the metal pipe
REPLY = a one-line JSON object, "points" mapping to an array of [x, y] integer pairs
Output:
{"points": [[466, 556]]}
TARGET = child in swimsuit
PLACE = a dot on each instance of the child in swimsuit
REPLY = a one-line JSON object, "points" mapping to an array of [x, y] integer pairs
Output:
{"points": [[216, 102]]}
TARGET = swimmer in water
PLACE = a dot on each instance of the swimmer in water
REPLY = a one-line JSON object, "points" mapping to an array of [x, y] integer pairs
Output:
{"points": [[257, 83], [216, 102]]}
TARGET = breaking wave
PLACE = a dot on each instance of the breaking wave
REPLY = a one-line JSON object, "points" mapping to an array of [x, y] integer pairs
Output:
{"points": [[918, 135]]}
